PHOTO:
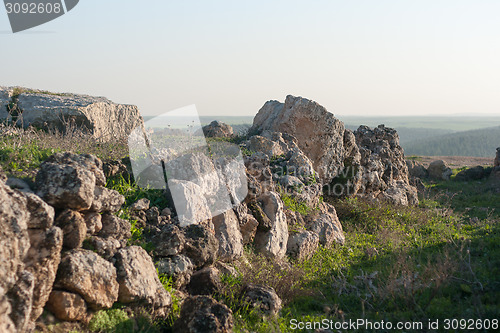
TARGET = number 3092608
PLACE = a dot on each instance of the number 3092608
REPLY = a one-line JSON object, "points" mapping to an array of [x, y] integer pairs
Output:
{"points": [[33, 8]]}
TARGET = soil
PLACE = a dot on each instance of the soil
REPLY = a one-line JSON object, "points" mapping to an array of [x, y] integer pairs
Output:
{"points": [[457, 161]]}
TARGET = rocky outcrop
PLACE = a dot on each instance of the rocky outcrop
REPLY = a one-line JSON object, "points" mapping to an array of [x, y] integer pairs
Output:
{"points": [[218, 129], [98, 116], [496, 162], [326, 224], [302, 245], [229, 236], [263, 299], [319, 134]]}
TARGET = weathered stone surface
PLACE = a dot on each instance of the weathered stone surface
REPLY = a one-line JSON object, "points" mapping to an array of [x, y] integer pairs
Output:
{"points": [[21, 300], [6, 323], [496, 162], [41, 215], [248, 228], [67, 306], [74, 228], [439, 170], [66, 186], [272, 243], [302, 245], [189, 202], [319, 134], [105, 247], [42, 261], [14, 240], [203, 314], [262, 144], [115, 227], [416, 169], [326, 224], [18, 184], [106, 200], [205, 282], [218, 129], [100, 117], [168, 241], [179, 267], [138, 280], [85, 161], [201, 245], [229, 236], [141, 204], [93, 221], [262, 298], [92, 277], [400, 193]]}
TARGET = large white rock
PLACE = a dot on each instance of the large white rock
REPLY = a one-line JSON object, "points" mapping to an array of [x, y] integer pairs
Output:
{"points": [[273, 243], [228, 233], [319, 134], [99, 116]]}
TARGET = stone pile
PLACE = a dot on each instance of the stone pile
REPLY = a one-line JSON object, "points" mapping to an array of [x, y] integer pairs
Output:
{"points": [[67, 250]]}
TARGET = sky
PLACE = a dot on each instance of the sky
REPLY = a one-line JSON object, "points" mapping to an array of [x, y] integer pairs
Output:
{"points": [[360, 57]]}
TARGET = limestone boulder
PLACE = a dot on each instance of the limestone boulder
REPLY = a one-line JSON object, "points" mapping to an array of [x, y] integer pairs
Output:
{"points": [[106, 200], [218, 129], [87, 274], [138, 279], [167, 241], [439, 170], [179, 267], [201, 245], [228, 234], [319, 134], [41, 215], [116, 228], [98, 116], [204, 282], [74, 228], [263, 299], [302, 245], [325, 223], [67, 306], [272, 242], [416, 169]]}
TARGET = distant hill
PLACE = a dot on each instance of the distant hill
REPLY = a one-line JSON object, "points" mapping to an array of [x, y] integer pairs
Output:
{"points": [[479, 143]]}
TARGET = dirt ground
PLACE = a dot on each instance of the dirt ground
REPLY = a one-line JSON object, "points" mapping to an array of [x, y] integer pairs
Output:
{"points": [[458, 161]]}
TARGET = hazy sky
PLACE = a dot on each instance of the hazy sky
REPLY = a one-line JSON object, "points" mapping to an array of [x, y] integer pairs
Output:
{"points": [[354, 57]]}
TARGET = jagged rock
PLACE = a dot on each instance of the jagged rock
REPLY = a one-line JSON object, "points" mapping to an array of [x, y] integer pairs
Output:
{"points": [[262, 144], [205, 282], [264, 222], [141, 204], [67, 306], [138, 279], [262, 298], [439, 170], [14, 240], [74, 228], [203, 314], [179, 267], [41, 214], [42, 261], [189, 204], [106, 200], [248, 228], [272, 243], [474, 173], [319, 134], [496, 162], [226, 269], [6, 323], [66, 186], [85, 161], [105, 247], [99, 116], [115, 227], [84, 272], [228, 235], [416, 169], [218, 129], [201, 245], [21, 300], [326, 224], [153, 216], [168, 241], [93, 221], [302, 245]]}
